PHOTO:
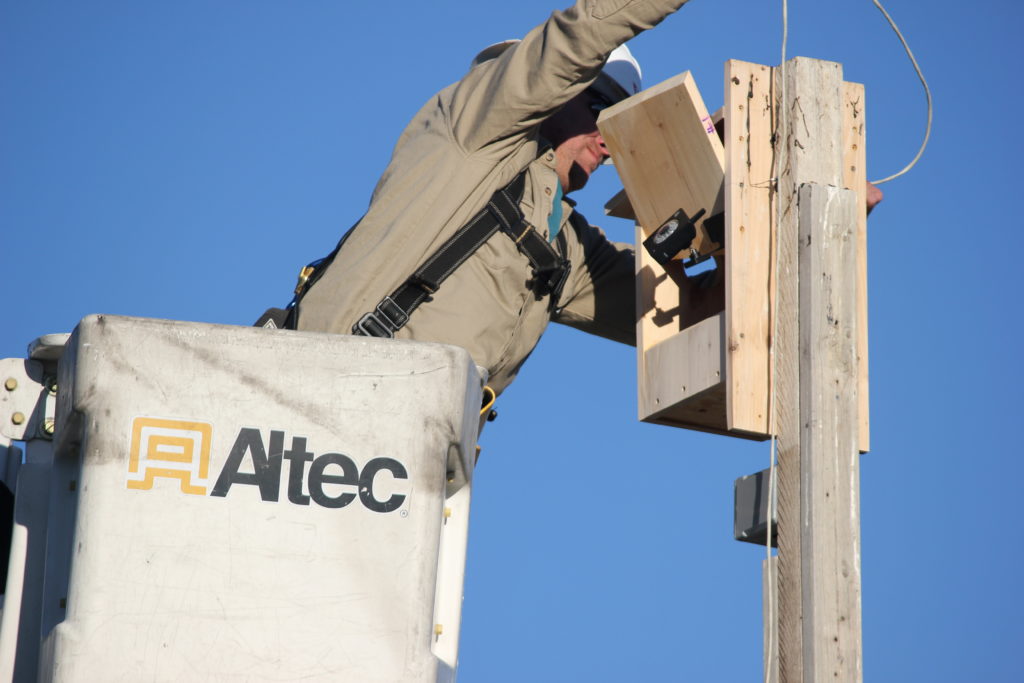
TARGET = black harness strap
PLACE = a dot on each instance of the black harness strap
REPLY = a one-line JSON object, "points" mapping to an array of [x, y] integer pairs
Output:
{"points": [[550, 270]]}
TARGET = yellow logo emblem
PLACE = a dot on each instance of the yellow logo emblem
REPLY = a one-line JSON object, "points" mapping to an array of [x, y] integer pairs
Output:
{"points": [[174, 449]]}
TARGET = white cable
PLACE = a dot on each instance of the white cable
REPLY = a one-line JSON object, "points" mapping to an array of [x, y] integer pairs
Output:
{"points": [[927, 94]]}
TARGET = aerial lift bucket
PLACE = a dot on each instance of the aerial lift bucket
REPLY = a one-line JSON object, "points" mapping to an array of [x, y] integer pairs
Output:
{"points": [[232, 503]]}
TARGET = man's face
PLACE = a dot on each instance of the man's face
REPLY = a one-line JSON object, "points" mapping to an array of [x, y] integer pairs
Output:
{"points": [[579, 147]]}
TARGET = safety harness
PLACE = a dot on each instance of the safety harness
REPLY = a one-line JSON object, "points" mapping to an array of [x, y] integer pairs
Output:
{"points": [[550, 269]]}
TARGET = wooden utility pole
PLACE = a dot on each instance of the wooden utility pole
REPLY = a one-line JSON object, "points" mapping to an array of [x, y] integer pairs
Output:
{"points": [[818, 605]]}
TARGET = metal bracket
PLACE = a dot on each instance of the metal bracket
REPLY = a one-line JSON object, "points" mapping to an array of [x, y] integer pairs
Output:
{"points": [[28, 395], [678, 234], [750, 512], [23, 399]]}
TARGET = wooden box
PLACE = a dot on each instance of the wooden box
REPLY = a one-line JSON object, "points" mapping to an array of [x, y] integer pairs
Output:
{"points": [[704, 357]]}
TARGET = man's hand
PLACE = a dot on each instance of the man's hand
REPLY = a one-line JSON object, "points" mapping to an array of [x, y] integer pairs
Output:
{"points": [[874, 195]]}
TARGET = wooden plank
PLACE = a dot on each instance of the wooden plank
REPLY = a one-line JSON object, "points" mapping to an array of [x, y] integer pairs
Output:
{"points": [[855, 178], [810, 149], [666, 151], [786, 418], [702, 413], [828, 439], [619, 206], [811, 152], [748, 223], [682, 366]]}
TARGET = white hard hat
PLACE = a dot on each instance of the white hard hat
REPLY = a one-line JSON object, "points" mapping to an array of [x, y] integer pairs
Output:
{"points": [[620, 77], [623, 71]]}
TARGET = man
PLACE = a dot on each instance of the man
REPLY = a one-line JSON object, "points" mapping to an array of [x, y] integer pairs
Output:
{"points": [[525, 112], [525, 105]]}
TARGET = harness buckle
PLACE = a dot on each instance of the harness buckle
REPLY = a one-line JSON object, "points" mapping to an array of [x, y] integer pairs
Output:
{"points": [[552, 280], [392, 312], [428, 287], [526, 229], [370, 326], [304, 275]]}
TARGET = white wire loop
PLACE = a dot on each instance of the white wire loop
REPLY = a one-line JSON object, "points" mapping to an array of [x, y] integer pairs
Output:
{"points": [[927, 94]]}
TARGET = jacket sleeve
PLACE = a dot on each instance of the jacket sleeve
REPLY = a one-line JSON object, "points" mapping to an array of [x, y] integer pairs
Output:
{"points": [[552, 64], [599, 296]]}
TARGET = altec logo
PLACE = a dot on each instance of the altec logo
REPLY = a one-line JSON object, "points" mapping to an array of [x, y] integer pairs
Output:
{"points": [[180, 449], [177, 449]]}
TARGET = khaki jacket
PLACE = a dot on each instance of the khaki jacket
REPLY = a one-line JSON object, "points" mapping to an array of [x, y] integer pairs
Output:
{"points": [[469, 140]]}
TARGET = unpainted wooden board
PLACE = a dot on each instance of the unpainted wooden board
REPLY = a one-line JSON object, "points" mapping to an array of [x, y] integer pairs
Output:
{"points": [[813, 143], [855, 178], [667, 152], [619, 206], [828, 439], [682, 366], [704, 412], [811, 149], [749, 225]]}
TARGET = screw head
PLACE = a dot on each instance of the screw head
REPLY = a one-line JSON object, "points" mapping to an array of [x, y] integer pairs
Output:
{"points": [[18, 418], [11, 384], [48, 426]]}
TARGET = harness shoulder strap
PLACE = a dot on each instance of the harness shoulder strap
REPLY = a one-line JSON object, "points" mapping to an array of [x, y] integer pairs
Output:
{"points": [[550, 270]]}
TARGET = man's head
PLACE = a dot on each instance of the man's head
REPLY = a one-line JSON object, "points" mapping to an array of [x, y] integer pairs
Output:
{"points": [[573, 134], [572, 130]]}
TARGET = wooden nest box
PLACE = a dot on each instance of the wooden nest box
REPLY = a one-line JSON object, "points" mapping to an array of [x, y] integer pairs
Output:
{"points": [[704, 343]]}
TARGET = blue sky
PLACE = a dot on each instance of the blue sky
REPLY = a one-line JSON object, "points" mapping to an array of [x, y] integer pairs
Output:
{"points": [[182, 159]]}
